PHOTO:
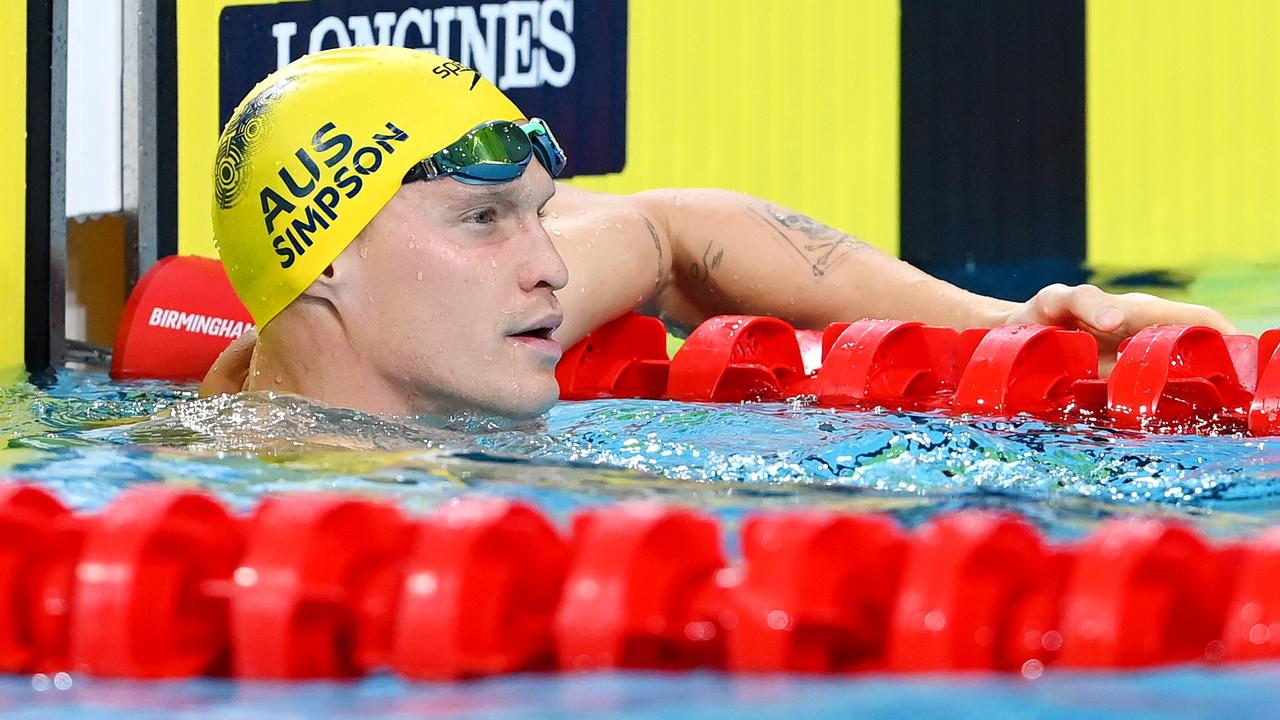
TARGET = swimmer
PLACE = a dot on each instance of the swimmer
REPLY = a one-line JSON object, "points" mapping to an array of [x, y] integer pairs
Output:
{"points": [[392, 222]]}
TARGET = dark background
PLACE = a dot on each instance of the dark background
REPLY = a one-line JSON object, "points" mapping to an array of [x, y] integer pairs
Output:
{"points": [[588, 115]]}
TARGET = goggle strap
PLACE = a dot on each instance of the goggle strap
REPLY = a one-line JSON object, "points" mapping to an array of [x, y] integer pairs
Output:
{"points": [[544, 145], [424, 169]]}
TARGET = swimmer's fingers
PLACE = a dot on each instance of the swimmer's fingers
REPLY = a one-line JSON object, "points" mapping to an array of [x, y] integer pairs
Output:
{"points": [[231, 369], [1142, 310], [1114, 316], [1080, 306]]}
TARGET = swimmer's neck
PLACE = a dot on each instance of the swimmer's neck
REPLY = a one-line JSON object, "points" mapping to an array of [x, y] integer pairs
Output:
{"points": [[317, 360]]}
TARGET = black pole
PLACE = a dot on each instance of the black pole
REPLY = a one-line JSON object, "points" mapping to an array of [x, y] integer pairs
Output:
{"points": [[45, 226], [167, 132], [993, 141]]}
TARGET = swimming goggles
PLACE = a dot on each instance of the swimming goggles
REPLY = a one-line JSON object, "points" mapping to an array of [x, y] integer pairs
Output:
{"points": [[493, 153]]}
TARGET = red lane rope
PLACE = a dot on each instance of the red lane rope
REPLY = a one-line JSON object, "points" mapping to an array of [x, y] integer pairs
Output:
{"points": [[168, 583], [1166, 379]]}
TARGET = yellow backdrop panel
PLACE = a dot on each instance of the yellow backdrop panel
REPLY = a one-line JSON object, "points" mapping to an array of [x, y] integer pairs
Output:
{"points": [[794, 101], [13, 193], [1183, 131]]}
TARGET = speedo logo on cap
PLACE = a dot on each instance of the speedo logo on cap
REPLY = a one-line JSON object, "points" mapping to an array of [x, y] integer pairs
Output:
{"points": [[305, 201]]}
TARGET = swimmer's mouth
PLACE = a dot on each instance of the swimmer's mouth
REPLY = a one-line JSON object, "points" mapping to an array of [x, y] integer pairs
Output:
{"points": [[539, 333], [541, 330]]}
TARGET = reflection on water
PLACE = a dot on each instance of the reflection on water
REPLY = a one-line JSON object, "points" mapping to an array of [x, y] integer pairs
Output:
{"points": [[1246, 693], [87, 438]]}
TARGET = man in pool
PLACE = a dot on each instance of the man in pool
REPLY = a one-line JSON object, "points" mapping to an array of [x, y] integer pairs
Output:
{"points": [[391, 221]]}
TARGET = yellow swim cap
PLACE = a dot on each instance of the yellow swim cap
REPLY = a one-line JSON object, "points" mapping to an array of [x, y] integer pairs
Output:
{"points": [[317, 149]]}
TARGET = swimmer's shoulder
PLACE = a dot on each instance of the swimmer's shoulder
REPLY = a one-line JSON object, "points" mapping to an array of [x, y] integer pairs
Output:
{"points": [[230, 372]]}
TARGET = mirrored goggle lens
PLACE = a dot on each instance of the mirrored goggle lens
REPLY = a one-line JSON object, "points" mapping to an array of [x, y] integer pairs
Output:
{"points": [[495, 152], [492, 153], [498, 142]]}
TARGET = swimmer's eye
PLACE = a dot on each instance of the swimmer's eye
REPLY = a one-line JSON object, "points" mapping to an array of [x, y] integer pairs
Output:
{"points": [[481, 217]]}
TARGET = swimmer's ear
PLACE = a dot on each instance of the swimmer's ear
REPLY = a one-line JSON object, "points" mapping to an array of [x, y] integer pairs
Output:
{"points": [[326, 286], [329, 285]]}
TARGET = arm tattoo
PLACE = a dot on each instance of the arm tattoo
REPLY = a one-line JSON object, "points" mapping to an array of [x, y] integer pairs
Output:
{"points": [[702, 270], [657, 245], [822, 247]]}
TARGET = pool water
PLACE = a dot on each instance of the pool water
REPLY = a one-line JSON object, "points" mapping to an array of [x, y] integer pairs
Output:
{"points": [[88, 438]]}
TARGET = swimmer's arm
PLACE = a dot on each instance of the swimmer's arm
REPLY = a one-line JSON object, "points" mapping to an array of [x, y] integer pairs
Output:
{"points": [[686, 255], [733, 253], [618, 258]]}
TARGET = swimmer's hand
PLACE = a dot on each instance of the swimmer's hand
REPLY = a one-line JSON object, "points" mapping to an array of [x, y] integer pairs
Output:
{"points": [[231, 369], [1111, 318]]}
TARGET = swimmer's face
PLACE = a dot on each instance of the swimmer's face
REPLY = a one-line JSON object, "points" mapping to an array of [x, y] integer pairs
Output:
{"points": [[456, 299]]}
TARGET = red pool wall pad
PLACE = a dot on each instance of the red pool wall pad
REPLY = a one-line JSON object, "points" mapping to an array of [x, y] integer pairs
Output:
{"points": [[1170, 379], [167, 583]]}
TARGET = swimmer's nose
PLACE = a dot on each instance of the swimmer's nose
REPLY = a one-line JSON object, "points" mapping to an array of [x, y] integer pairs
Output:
{"points": [[545, 267]]}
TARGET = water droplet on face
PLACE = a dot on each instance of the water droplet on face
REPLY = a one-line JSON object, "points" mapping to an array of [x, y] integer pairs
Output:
{"points": [[364, 251], [555, 232], [412, 245], [555, 214], [419, 275], [493, 262], [279, 379]]}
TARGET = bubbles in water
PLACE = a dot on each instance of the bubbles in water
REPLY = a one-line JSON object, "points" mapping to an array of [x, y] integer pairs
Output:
{"points": [[40, 682]]}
